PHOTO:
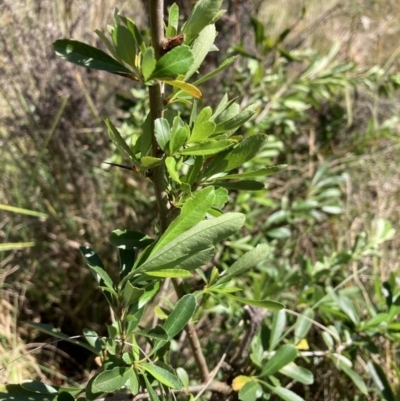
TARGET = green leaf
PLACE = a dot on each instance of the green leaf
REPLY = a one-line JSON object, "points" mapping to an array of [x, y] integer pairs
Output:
{"points": [[198, 238], [201, 47], [203, 14], [245, 263], [129, 239], [111, 380], [193, 211], [202, 131], [180, 316], [221, 197], [125, 44], [118, 141], [87, 56], [15, 392], [135, 32], [237, 156], [380, 380], [356, 379], [51, 330], [162, 375], [107, 42], [298, 373], [178, 138], [170, 273], [250, 391], [207, 148], [19, 210], [131, 294], [266, 304], [172, 169], [264, 172], [175, 62], [173, 20], [284, 355], [244, 185], [303, 324], [286, 394], [278, 326], [96, 266], [162, 132], [153, 395], [157, 333], [150, 162], [212, 74], [133, 382], [237, 121], [346, 305], [38, 387], [194, 170], [148, 63]]}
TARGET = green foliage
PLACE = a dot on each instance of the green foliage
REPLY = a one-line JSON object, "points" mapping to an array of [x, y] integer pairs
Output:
{"points": [[203, 162]]}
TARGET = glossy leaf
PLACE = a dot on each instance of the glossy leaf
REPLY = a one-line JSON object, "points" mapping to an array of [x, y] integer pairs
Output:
{"points": [[129, 239], [180, 316], [203, 14], [162, 375], [111, 380], [250, 391], [237, 156], [278, 326], [193, 211], [118, 141], [87, 56], [245, 263], [298, 373], [284, 355], [162, 132], [201, 47], [176, 62], [171, 165], [200, 237], [148, 63], [207, 148], [125, 44], [173, 20]]}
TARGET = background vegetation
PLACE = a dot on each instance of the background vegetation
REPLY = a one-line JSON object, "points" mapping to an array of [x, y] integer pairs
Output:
{"points": [[325, 79]]}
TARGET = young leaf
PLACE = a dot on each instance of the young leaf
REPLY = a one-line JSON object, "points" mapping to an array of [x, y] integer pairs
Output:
{"points": [[207, 148], [148, 63], [175, 62], [200, 237], [201, 47], [162, 132], [162, 375], [150, 162], [107, 42], [245, 263], [87, 56], [135, 32], [125, 44], [178, 138], [118, 141], [193, 211], [284, 355], [202, 131], [237, 156], [203, 14], [180, 316], [131, 294], [111, 380], [236, 121], [171, 165], [173, 20]]}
